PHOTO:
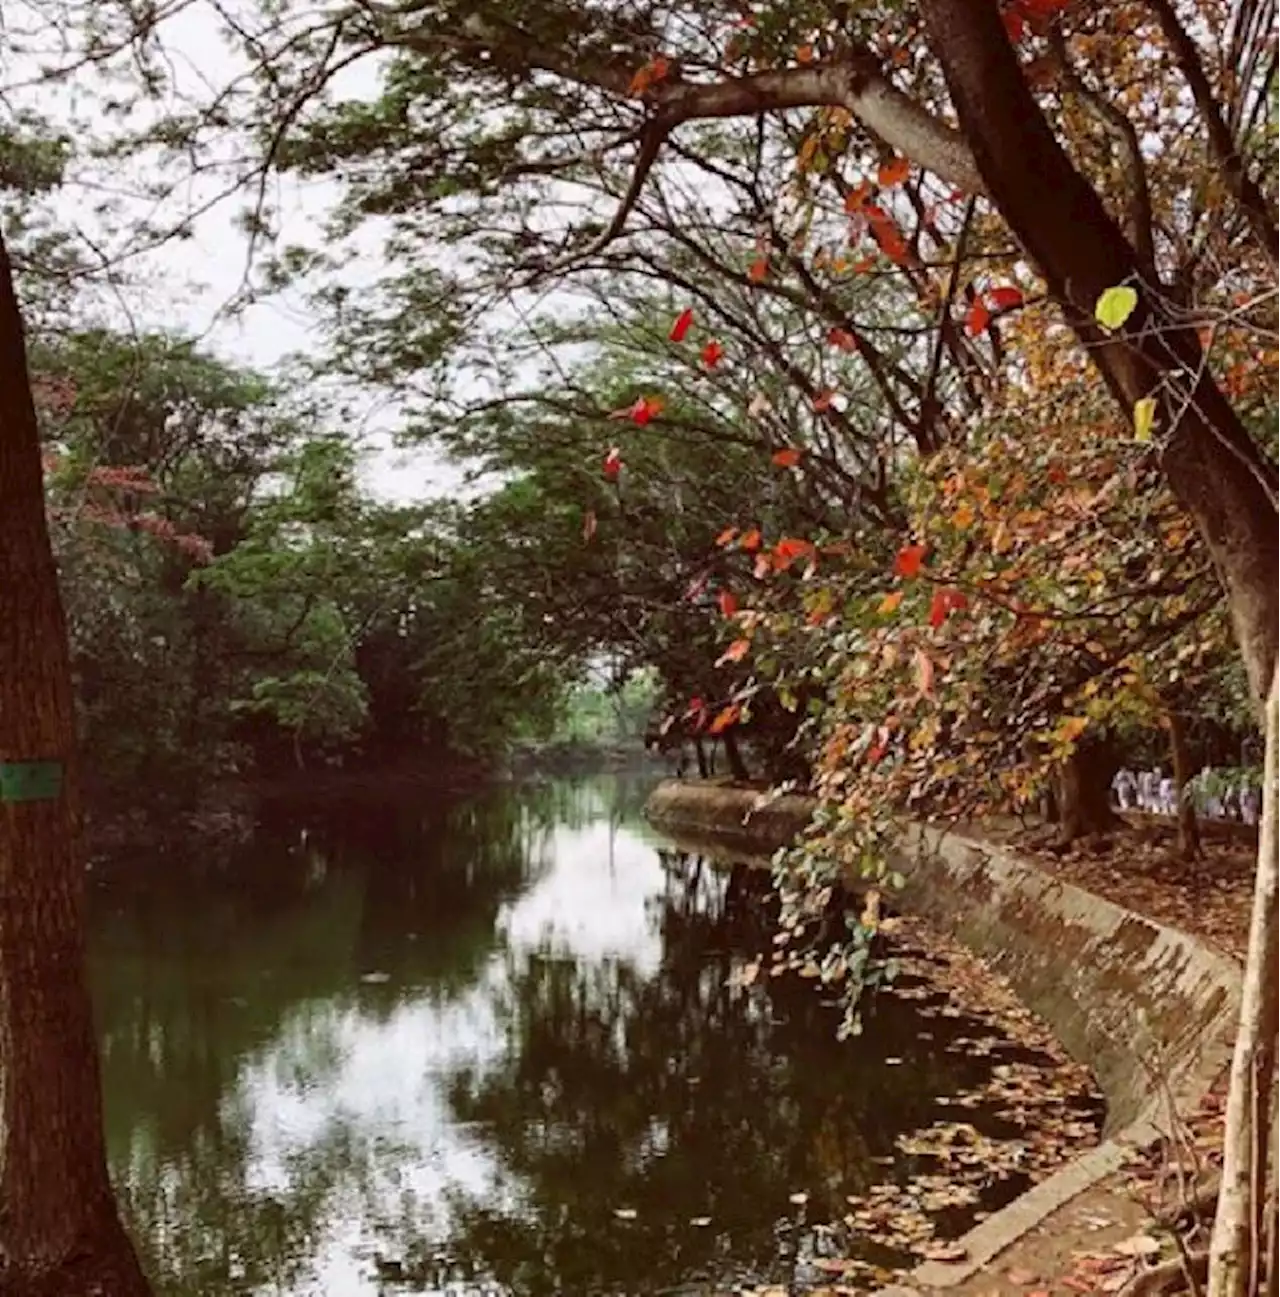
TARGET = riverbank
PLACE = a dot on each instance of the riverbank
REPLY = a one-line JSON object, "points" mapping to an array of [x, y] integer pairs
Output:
{"points": [[1146, 999]]}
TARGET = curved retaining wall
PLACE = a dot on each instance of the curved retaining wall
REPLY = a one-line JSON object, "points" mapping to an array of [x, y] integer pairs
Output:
{"points": [[1150, 1009]]}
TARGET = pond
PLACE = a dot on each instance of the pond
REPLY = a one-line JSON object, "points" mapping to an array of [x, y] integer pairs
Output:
{"points": [[490, 1047]]}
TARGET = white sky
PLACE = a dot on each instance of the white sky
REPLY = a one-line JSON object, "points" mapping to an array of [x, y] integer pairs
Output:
{"points": [[186, 285]]}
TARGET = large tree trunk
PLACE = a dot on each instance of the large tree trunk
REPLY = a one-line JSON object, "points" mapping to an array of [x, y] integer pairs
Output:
{"points": [[1083, 794], [59, 1231]]}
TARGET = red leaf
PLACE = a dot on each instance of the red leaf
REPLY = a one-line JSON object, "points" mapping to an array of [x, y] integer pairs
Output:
{"points": [[750, 540], [758, 270], [944, 603], [645, 408], [728, 602], [1004, 298], [613, 464], [909, 561], [684, 321], [822, 400], [1014, 25], [842, 339], [977, 319], [712, 354], [588, 525], [787, 458], [641, 410], [790, 548]]}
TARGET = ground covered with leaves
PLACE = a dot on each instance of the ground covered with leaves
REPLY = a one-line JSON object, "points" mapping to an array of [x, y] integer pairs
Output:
{"points": [[1127, 1234]]}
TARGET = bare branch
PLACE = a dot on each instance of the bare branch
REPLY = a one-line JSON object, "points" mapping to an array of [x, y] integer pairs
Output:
{"points": [[1240, 185]]}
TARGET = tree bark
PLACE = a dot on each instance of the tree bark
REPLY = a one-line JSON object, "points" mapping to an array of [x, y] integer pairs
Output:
{"points": [[1242, 1236], [1083, 794], [59, 1231], [733, 755], [1188, 828], [1211, 462]]}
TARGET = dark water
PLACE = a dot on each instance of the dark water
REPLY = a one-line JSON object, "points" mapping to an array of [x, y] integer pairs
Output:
{"points": [[493, 1047]]}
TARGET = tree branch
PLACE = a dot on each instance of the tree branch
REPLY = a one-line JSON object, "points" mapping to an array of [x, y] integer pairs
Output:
{"points": [[1135, 167], [1240, 185]]}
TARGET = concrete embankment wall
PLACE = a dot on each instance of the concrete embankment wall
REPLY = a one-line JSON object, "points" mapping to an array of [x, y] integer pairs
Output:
{"points": [[1150, 1009]]}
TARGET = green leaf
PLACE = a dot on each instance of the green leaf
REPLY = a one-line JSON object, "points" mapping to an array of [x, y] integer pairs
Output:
{"points": [[1115, 306], [1144, 418]]}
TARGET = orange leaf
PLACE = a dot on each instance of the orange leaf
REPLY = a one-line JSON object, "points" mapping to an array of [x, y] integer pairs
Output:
{"points": [[893, 172], [712, 354], [977, 319], [758, 270], [787, 458], [726, 537], [735, 652], [728, 602], [888, 236], [588, 525], [804, 54], [792, 547], [822, 400], [725, 718], [857, 196], [909, 561], [684, 322], [890, 602], [750, 540]]}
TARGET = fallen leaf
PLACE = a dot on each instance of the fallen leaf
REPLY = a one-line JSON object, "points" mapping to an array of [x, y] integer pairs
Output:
{"points": [[1138, 1245]]}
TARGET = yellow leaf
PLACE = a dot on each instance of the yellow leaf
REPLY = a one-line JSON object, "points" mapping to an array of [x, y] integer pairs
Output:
{"points": [[1115, 306], [963, 517], [1072, 727], [1144, 418]]}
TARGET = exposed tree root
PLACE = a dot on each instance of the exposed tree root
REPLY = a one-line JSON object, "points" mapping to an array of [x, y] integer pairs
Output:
{"points": [[1171, 1277], [1198, 1209]]}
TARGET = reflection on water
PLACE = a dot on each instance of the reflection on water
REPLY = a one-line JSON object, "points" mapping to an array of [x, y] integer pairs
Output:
{"points": [[483, 1047]]}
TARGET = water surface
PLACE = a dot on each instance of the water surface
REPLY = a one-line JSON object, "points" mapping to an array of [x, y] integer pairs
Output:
{"points": [[400, 1045]]}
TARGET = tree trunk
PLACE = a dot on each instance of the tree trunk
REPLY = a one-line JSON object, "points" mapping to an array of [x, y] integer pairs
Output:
{"points": [[1212, 464], [733, 755], [1083, 793], [1242, 1236], [59, 1231], [700, 751], [1188, 828]]}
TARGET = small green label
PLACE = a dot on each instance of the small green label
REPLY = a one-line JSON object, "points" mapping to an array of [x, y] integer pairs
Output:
{"points": [[30, 781]]}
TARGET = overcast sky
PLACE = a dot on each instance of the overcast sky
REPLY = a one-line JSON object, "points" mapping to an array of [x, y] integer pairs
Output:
{"points": [[186, 285]]}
